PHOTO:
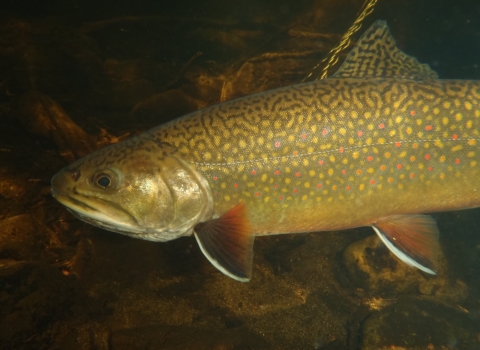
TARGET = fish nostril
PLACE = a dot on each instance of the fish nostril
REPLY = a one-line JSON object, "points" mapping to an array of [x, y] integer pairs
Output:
{"points": [[75, 174]]}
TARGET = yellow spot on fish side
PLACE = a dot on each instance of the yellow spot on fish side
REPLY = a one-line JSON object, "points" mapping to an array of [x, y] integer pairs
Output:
{"points": [[307, 184], [468, 106], [442, 159], [458, 117], [330, 171], [473, 163], [304, 197], [332, 159], [456, 148], [469, 124], [398, 120], [409, 130], [446, 105], [242, 143], [311, 173], [355, 155], [287, 180], [264, 177], [445, 121], [342, 131], [260, 141], [227, 198], [471, 154], [436, 110]]}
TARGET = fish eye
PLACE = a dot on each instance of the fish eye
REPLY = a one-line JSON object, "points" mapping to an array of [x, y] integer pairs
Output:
{"points": [[104, 180]]}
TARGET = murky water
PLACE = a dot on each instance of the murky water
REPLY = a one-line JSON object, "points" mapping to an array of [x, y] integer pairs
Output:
{"points": [[77, 76]]}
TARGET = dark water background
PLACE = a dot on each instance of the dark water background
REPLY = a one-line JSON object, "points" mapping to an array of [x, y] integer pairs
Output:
{"points": [[77, 75]]}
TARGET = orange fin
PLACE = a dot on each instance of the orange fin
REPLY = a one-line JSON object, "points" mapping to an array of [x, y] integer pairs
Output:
{"points": [[228, 243], [412, 238]]}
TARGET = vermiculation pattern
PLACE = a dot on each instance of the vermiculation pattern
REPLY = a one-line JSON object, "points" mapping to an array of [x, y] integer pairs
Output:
{"points": [[332, 141]]}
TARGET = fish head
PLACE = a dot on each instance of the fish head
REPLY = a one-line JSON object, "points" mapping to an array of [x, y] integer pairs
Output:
{"points": [[139, 187]]}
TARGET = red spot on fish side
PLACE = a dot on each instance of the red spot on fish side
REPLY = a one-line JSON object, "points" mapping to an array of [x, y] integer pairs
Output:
{"points": [[399, 166], [254, 172], [381, 126], [235, 185], [215, 178], [457, 161], [390, 179], [412, 113], [427, 156], [277, 172], [360, 133], [430, 168], [334, 187], [276, 185], [341, 149], [383, 167], [280, 197], [324, 132], [321, 162], [278, 144], [348, 187], [454, 137], [359, 171], [344, 171], [319, 185], [369, 158], [295, 190], [304, 136], [216, 194], [415, 145], [372, 182], [398, 144], [257, 194], [295, 153], [387, 154], [298, 174], [412, 175], [428, 128]]}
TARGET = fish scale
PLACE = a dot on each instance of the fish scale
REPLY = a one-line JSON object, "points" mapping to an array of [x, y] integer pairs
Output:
{"points": [[378, 144]]}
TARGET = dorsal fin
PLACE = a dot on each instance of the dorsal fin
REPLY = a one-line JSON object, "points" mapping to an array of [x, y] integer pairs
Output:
{"points": [[377, 56]]}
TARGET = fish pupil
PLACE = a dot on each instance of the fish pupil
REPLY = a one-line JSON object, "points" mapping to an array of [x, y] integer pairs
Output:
{"points": [[104, 182]]}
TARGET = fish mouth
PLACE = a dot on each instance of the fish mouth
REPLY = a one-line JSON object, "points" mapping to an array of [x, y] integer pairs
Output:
{"points": [[111, 217], [98, 212]]}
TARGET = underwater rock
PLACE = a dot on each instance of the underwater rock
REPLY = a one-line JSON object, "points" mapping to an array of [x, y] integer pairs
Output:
{"points": [[43, 116], [49, 58], [34, 300], [372, 267], [420, 324], [21, 238]]}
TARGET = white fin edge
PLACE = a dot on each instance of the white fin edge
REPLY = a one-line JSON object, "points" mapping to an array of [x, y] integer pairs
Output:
{"points": [[401, 255], [217, 264]]}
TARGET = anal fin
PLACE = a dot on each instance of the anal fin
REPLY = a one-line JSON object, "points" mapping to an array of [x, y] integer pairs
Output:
{"points": [[412, 238], [228, 243]]}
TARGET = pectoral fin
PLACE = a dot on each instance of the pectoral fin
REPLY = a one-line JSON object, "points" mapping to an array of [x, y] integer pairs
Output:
{"points": [[228, 243], [412, 238]]}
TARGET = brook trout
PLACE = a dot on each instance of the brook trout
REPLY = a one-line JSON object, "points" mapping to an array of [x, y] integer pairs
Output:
{"points": [[377, 144]]}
